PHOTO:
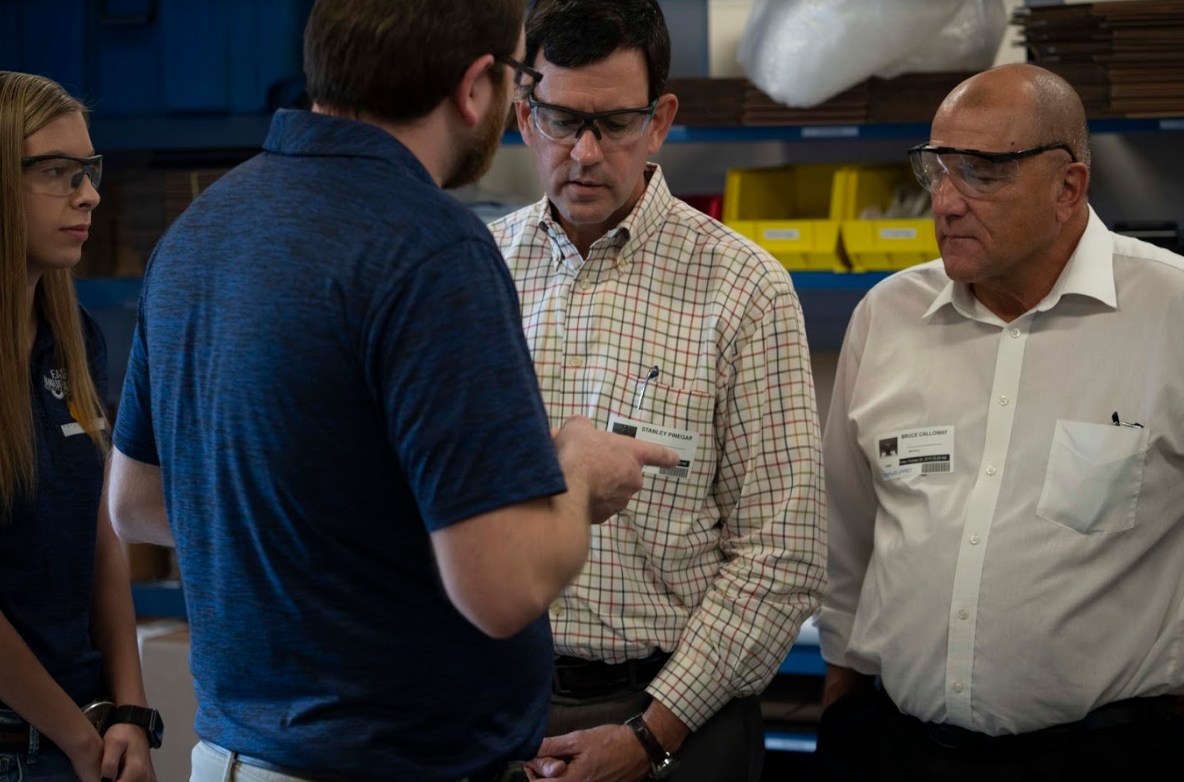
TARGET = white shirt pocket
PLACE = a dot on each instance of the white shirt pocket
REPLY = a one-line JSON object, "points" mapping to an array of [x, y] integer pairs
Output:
{"points": [[1094, 475]]}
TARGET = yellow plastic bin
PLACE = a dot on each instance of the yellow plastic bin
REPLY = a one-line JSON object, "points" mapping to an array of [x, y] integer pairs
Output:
{"points": [[880, 245], [790, 211]]}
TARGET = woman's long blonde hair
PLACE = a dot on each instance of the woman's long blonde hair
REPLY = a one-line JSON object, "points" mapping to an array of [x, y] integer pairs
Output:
{"points": [[27, 104]]}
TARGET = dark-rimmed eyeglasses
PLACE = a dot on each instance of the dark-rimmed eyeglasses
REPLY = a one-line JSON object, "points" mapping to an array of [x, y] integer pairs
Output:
{"points": [[975, 173], [525, 77], [611, 128], [61, 175]]}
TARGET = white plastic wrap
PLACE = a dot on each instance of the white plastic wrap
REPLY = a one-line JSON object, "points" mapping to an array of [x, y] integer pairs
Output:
{"points": [[970, 42], [803, 52]]}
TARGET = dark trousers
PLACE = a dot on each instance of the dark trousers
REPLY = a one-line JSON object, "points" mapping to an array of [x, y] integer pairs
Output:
{"points": [[864, 736], [729, 747]]}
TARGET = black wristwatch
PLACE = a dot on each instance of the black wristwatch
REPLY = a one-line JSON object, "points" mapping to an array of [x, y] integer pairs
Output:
{"points": [[662, 763], [148, 719]]}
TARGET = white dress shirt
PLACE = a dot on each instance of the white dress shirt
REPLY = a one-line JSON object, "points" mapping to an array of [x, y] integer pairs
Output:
{"points": [[1041, 577]]}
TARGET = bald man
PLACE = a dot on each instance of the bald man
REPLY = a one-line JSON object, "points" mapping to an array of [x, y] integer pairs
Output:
{"points": [[1005, 472]]}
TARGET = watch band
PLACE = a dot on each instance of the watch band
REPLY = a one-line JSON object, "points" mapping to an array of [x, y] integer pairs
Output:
{"points": [[662, 763], [148, 719]]}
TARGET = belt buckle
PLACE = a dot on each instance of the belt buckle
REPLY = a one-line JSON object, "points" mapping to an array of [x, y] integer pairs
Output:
{"points": [[98, 712]]}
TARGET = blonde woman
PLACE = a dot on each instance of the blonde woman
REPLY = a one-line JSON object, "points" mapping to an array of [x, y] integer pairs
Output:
{"points": [[67, 627]]}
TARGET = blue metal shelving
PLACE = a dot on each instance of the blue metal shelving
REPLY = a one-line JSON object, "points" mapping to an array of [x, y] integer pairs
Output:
{"points": [[164, 133], [159, 600], [782, 741], [827, 302]]}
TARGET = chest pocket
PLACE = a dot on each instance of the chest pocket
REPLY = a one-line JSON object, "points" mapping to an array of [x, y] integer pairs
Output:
{"points": [[1095, 472], [606, 393]]}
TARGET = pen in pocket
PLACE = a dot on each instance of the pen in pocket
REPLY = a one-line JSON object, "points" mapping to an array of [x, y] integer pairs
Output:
{"points": [[1119, 422], [645, 383]]}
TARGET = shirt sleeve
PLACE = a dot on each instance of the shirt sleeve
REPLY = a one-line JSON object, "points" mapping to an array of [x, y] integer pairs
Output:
{"points": [[852, 499], [447, 358], [134, 435], [769, 490]]}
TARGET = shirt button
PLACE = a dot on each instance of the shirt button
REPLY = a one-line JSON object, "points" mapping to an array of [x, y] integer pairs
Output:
{"points": [[974, 540], [990, 470], [1003, 400], [1015, 333], [958, 687], [963, 614], [585, 285], [621, 265], [556, 609], [575, 361]]}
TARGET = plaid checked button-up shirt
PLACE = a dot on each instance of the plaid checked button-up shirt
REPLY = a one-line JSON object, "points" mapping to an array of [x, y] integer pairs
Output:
{"points": [[720, 567]]}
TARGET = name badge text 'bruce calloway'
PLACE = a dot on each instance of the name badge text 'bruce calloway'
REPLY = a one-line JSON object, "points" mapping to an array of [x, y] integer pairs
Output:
{"points": [[911, 452]]}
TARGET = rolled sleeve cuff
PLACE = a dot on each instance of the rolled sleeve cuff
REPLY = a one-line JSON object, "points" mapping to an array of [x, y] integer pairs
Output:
{"points": [[690, 690], [834, 634]]}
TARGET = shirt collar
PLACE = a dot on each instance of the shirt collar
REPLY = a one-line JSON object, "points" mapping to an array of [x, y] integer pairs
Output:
{"points": [[634, 231], [1089, 272], [299, 133], [45, 341]]}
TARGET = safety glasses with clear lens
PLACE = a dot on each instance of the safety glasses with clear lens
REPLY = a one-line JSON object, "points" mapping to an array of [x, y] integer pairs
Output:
{"points": [[611, 128], [975, 173]]}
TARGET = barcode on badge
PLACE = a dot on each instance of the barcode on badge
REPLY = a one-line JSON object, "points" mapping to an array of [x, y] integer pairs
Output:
{"points": [[681, 471], [935, 467]]}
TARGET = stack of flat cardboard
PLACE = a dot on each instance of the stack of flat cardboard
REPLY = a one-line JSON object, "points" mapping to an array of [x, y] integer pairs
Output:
{"points": [[911, 98], [1126, 59], [847, 108], [709, 103]]}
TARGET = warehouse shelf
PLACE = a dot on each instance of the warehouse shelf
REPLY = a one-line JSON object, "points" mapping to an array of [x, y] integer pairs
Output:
{"points": [[159, 599], [247, 131]]}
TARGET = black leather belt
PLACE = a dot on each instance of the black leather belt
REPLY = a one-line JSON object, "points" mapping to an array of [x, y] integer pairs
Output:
{"points": [[578, 678], [1112, 715], [18, 738]]}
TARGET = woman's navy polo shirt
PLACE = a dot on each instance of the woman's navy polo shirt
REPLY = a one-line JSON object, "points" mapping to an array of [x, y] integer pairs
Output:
{"points": [[47, 541]]}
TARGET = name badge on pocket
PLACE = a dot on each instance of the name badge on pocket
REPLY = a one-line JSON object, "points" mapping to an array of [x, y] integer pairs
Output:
{"points": [[683, 442], [74, 428], [910, 452]]}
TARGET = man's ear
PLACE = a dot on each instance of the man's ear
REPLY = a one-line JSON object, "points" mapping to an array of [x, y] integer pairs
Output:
{"points": [[664, 115], [1074, 188], [473, 92], [525, 126]]}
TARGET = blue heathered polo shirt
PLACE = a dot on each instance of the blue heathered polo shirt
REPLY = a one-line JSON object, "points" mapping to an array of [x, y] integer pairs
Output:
{"points": [[328, 366], [47, 540]]}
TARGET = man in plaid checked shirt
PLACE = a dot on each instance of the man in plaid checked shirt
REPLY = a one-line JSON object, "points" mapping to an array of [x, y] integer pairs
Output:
{"points": [[639, 309]]}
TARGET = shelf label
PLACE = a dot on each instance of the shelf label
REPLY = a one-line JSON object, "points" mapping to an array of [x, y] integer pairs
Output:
{"points": [[831, 132], [898, 233], [1171, 124], [781, 234], [834, 131]]}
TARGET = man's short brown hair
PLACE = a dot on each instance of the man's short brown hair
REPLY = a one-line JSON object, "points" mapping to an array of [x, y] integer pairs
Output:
{"points": [[396, 61]]}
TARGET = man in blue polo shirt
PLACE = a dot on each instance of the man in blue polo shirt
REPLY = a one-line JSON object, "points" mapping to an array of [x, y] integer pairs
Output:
{"points": [[369, 510]]}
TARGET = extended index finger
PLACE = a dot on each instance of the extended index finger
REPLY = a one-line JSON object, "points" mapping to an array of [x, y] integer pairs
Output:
{"points": [[655, 455]]}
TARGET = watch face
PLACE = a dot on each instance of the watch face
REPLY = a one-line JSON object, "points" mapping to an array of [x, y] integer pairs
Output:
{"points": [[156, 730], [665, 768]]}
